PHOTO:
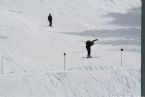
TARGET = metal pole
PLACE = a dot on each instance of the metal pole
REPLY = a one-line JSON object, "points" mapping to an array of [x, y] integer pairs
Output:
{"points": [[64, 61], [121, 56], [2, 65]]}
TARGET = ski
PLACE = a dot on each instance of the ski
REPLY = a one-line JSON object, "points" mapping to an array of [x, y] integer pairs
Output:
{"points": [[91, 57]]}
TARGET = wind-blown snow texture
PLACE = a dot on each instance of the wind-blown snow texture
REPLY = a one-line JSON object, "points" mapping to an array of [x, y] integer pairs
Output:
{"points": [[32, 52]]}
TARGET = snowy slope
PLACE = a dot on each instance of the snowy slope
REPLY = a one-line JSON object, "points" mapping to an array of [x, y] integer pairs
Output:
{"points": [[29, 47], [102, 83]]}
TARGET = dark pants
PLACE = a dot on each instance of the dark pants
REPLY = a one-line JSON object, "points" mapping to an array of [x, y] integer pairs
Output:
{"points": [[50, 23], [88, 50]]}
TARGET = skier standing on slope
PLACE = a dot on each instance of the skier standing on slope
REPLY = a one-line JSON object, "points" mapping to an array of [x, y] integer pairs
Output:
{"points": [[88, 47], [50, 20]]}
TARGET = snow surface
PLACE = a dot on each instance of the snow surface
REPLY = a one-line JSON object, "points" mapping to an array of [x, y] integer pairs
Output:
{"points": [[32, 53]]}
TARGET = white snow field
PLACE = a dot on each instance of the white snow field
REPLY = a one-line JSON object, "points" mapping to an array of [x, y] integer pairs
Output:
{"points": [[32, 53]]}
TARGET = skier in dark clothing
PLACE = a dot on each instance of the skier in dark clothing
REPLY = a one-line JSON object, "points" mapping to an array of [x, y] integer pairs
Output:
{"points": [[50, 20], [88, 47]]}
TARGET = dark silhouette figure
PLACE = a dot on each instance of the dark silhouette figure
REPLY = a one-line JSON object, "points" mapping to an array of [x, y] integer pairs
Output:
{"points": [[50, 20], [88, 47]]}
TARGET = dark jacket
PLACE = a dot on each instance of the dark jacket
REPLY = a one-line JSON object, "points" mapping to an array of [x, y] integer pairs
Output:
{"points": [[89, 43], [50, 17]]}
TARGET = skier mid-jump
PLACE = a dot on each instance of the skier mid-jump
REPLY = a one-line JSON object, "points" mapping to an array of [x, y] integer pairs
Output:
{"points": [[88, 47]]}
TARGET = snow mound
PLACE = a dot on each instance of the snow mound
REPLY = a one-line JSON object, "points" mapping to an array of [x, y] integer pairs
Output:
{"points": [[109, 83]]}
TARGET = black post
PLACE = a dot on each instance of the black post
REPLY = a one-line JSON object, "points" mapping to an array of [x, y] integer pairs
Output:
{"points": [[121, 55], [64, 61], [2, 60]]}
